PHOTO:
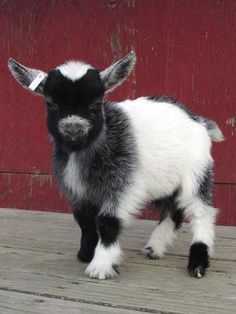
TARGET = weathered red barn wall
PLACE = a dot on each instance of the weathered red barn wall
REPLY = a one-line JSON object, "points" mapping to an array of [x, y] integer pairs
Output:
{"points": [[186, 49]]}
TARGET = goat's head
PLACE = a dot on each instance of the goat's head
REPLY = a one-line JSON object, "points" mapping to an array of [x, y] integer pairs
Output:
{"points": [[73, 95]]}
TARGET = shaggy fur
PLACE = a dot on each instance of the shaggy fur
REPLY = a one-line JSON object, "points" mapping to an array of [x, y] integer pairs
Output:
{"points": [[110, 159]]}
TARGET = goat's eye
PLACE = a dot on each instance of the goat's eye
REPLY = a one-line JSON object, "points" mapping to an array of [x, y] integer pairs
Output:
{"points": [[52, 107], [94, 110], [95, 106]]}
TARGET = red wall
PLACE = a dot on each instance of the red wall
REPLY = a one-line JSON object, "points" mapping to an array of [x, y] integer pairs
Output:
{"points": [[186, 49]]}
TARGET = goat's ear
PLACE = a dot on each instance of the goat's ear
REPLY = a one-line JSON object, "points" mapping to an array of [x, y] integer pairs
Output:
{"points": [[117, 73], [31, 79]]}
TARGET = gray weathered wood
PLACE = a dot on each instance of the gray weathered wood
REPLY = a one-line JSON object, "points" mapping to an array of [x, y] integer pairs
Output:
{"points": [[37, 262], [22, 303]]}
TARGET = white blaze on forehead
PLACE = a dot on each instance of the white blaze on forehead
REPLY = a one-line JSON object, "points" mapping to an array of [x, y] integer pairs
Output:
{"points": [[74, 70], [84, 123]]}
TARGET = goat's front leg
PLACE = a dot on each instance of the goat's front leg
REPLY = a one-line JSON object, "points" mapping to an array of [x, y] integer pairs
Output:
{"points": [[108, 254], [85, 215]]}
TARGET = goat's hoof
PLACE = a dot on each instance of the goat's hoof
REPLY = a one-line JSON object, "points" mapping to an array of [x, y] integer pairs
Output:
{"points": [[116, 268], [149, 252], [102, 272], [84, 257], [197, 272], [198, 260]]}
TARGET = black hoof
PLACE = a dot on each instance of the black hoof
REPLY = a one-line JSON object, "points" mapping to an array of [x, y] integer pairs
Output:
{"points": [[116, 268], [150, 253], [198, 272], [87, 248], [84, 257], [198, 260]]}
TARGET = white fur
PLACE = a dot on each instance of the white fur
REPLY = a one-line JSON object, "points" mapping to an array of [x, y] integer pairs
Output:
{"points": [[74, 70], [101, 266], [173, 151], [162, 237], [202, 219], [72, 178]]}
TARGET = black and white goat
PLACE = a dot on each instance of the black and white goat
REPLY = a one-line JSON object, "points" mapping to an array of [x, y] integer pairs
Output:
{"points": [[112, 158]]}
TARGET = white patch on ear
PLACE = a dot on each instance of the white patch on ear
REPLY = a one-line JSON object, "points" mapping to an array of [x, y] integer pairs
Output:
{"points": [[118, 72], [74, 70]]}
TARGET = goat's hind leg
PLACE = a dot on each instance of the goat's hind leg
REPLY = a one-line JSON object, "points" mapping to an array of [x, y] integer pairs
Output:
{"points": [[202, 218], [171, 218]]}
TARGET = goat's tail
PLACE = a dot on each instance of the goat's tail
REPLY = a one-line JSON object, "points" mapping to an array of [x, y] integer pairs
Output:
{"points": [[213, 131]]}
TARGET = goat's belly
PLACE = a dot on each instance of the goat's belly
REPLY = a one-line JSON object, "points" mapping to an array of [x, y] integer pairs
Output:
{"points": [[159, 182]]}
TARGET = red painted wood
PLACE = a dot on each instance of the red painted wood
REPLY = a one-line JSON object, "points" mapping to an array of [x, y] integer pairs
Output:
{"points": [[31, 191], [186, 49]]}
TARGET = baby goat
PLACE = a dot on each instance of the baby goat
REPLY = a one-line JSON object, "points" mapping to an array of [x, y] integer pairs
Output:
{"points": [[112, 158]]}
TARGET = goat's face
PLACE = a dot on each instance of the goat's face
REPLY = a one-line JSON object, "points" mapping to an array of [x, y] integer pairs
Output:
{"points": [[73, 94], [74, 104]]}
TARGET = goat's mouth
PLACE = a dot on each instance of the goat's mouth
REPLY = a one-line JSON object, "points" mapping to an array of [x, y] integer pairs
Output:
{"points": [[74, 143]]}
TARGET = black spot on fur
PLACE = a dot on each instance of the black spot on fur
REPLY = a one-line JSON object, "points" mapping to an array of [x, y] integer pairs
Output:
{"points": [[169, 206], [205, 187], [108, 228], [198, 259], [85, 215], [162, 98], [177, 216]]}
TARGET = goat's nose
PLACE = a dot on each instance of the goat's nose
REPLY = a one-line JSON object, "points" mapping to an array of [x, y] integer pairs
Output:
{"points": [[73, 130]]}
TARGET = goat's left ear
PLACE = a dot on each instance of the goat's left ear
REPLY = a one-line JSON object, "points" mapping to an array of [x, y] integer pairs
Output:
{"points": [[31, 79], [117, 73]]}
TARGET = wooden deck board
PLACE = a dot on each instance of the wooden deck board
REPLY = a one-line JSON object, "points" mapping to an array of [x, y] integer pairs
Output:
{"points": [[40, 274]]}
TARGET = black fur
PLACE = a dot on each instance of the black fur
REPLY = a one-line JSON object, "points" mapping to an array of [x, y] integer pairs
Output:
{"points": [[206, 185], [198, 259], [106, 169], [109, 229], [169, 206], [85, 215], [82, 97]]}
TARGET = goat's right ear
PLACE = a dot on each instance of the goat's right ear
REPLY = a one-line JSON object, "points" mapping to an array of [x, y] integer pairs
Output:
{"points": [[31, 79]]}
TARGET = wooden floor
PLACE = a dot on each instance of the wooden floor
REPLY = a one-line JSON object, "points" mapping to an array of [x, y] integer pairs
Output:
{"points": [[39, 272]]}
